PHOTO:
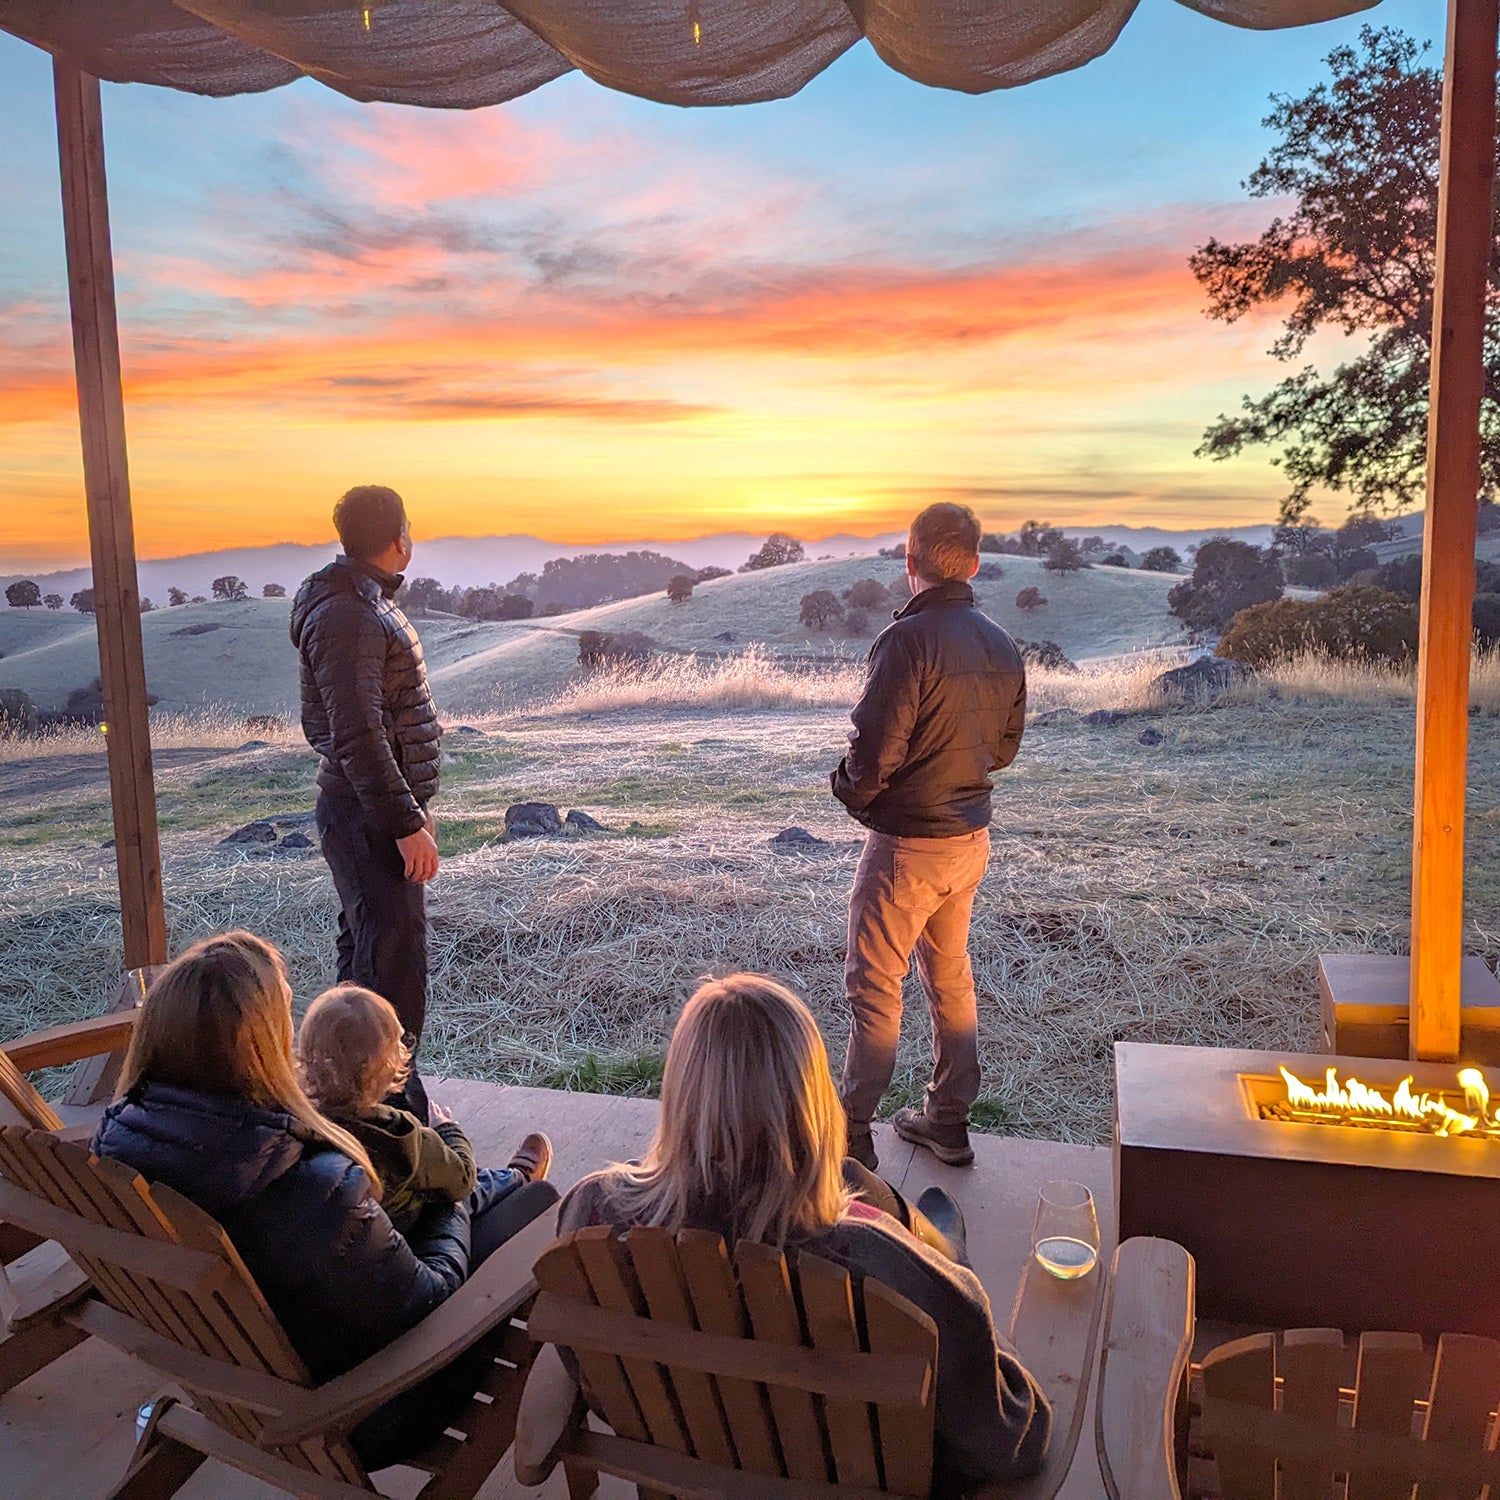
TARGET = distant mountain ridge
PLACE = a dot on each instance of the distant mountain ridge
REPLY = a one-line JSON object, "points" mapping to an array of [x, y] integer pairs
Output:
{"points": [[472, 562]]}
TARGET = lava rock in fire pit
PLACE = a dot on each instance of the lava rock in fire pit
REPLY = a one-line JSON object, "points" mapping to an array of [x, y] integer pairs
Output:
{"points": [[532, 820], [259, 832]]}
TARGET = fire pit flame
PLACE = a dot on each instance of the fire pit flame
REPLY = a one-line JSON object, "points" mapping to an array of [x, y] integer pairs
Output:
{"points": [[1352, 1102]]}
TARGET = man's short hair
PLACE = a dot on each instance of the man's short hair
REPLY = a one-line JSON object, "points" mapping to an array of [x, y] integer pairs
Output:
{"points": [[944, 542], [369, 518]]}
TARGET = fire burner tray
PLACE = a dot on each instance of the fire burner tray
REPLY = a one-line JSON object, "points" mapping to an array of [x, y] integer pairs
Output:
{"points": [[1295, 1222]]}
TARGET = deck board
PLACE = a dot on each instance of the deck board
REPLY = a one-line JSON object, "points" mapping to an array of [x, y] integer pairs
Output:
{"points": [[69, 1429]]}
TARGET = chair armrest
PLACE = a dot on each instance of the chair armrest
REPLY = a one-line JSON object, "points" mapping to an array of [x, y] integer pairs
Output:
{"points": [[1055, 1330], [58, 1045], [1143, 1365], [491, 1296], [551, 1407]]}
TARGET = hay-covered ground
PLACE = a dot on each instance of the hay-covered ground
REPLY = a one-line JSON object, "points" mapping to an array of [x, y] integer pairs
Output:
{"points": [[1171, 892]]}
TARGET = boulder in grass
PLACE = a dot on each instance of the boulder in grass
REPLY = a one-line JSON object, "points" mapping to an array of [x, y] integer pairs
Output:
{"points": [[1103, 716], [18, 714], [1149, 737], [259, 832], [296, 839], [1205, 680], [796, 838], [255, 745], [581, 822], [532, 820]]}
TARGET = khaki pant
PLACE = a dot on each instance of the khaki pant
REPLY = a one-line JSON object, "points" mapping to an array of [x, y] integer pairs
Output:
{"points": [[913, 895]]}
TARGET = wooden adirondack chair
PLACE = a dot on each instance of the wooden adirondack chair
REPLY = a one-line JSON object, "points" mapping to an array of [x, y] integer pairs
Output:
{"points": [[1298, 1415], [173, 1293], [39, 1284], [758, 1378]]}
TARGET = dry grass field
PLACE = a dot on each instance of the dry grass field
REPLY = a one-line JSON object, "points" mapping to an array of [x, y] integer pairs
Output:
{"points": [[1176, 891]]}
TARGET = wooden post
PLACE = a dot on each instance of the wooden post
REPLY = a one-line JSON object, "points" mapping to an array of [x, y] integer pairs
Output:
{"points": [[1465, 237], [101, 418]]}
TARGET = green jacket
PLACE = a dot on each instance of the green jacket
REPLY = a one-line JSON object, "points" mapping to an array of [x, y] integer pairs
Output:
{"points": [[418, 1164]]}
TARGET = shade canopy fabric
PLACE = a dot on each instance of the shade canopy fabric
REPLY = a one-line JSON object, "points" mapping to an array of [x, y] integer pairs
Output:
{"points": [[464, 54]]}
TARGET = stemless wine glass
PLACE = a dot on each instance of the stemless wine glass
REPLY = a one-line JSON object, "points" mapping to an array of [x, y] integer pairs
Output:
{"points": [[1065, 1233]]}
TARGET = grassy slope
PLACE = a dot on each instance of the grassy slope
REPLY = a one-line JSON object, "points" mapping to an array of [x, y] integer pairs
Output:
{"points": [[1098, 612]]}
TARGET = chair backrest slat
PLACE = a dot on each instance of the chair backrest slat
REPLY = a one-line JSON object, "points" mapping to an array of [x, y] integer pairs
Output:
{"points": [[718, 1308], [1243, 1371], [1387, 1382], [894, 1326], [558, 1269], [775, 1319], [659, 1274], [828, 1307], [1310, 1362], [1464, 1394]]}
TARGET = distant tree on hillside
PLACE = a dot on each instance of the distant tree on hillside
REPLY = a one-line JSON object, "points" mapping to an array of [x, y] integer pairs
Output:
{"points": [[703, 575], [1037, 538], [1161, 560], [551, 611], [596, 648], [198, 599], [1228, 576], [679, 588], [147, 605], [423, 594], [53, 601], [993, 541], [230, 587], [1030, 598], [820, 609], [598, 578], [1114, 560], [515, 607], [1311, 570], [899, 551], [1063, 556], [778, 550], [273, 591], [23, 594], [83, 601], [1092, 544], [867, 593]]}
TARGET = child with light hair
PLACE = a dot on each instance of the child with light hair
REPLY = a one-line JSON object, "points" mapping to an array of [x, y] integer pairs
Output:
{"points": [[353, 1058]]}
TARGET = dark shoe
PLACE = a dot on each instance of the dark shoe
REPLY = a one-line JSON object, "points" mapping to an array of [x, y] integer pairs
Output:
{"points": [[949, 1143], [862, 1147], [533, 1158], [939, 1209]]}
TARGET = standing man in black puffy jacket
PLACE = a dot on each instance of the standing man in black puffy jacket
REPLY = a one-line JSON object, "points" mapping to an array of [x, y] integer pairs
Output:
{"points": [[944, 705], [367, 711]]}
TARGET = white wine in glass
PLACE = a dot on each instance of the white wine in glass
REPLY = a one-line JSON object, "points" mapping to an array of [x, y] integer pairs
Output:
{"points": [[1065, 1234]]}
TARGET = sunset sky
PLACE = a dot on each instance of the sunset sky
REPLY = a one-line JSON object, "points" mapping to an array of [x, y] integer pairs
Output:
{"points": [[596, 319]]}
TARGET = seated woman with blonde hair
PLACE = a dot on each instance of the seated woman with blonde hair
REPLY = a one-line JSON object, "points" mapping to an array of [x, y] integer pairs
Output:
{"points": [[750, 1145], [210, 1104]]}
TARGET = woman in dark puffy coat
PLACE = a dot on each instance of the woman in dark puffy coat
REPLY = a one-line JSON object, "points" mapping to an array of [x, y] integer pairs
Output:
{"points": [[211, 1105]]}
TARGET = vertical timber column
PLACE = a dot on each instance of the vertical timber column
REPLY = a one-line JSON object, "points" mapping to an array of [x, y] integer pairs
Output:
{"points": [[101, 418], [1465, 239]]}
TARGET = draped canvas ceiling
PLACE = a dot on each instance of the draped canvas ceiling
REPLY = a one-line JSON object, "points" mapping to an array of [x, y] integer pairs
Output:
{"points": [[464, 54]]}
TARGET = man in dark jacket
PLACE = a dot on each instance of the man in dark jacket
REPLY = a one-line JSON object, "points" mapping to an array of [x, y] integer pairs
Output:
{"points": [[367, 711], [944, 705]]}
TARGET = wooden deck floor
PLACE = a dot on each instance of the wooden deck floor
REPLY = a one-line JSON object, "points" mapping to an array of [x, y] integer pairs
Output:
{"points": [[66, 1433]]}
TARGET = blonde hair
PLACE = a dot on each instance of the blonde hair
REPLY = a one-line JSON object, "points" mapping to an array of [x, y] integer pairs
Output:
{"points": [[351, 1049], [751, 1132], [219, 1018]]}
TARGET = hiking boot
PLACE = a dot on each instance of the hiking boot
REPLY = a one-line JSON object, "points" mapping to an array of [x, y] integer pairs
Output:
{"points": [[861, 1147], [945, 1216], [533, 1158], [949, 1143]]}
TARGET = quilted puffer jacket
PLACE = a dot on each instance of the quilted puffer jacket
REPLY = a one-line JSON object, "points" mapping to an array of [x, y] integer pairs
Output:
{"points": [[944, 705], [366, 708], [321, 1249]]}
